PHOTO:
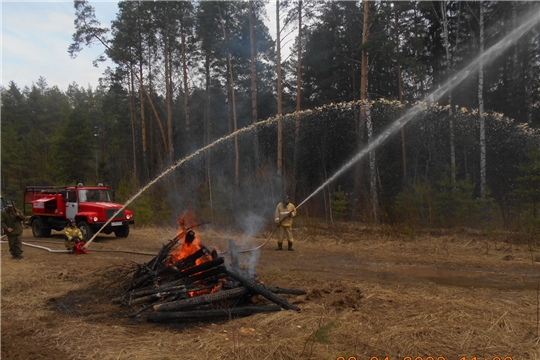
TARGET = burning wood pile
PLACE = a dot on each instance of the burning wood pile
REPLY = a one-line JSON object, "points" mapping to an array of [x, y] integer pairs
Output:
{"points": [[187, 281]]}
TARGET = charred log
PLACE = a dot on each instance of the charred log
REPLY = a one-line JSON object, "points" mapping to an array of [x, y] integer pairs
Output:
{"points": [[201, 300], [259, 289], [278, 290]]}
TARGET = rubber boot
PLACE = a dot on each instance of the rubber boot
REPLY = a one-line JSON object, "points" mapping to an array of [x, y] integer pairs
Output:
{"points": [[290, 247], [279, 246]]}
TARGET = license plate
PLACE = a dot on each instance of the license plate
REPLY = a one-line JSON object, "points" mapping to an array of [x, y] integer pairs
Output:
{"points": [[116, 223]]}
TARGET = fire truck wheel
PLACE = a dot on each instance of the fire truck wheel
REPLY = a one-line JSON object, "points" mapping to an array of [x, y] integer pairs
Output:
{"points": [[86, 230], [122, 232], [38, 230]]}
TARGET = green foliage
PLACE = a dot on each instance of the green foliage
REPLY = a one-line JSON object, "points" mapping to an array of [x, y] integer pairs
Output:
{"points": [[529, 180], [73, 150], [410, 233], [12, 162], [444, 204], [147, 208], [414, 206], [453, 203], [339, 204], [126, 189], [528, 191], [142, 210], [532, 224]]}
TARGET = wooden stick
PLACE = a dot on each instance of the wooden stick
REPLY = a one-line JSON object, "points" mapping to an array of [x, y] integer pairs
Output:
{"points": [[179, 266], [194, 271], [157, 296]]}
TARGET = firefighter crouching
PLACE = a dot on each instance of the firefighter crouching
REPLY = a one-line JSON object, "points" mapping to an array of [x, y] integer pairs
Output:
{"points": [[285, 211], [72, 236]]}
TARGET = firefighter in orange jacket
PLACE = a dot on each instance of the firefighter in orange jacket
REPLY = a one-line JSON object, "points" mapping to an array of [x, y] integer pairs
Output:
{"points": [[72, 235], [285, 212]]}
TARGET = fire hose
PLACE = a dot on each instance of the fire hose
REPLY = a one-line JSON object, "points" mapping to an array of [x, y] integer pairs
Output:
{"points": [[69, 251], [41, 247]]}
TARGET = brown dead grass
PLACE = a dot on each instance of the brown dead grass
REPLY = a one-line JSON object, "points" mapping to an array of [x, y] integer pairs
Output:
{"points": [[370, 292]]}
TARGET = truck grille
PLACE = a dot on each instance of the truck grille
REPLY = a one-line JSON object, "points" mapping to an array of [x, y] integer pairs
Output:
{"points": [[110, 213]]}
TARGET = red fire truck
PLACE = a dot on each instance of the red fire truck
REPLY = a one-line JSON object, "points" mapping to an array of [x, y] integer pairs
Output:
{"points": [[90, 206]]}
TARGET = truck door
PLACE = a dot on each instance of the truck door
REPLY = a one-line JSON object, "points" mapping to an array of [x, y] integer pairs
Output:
{"points": [[72, 207]]}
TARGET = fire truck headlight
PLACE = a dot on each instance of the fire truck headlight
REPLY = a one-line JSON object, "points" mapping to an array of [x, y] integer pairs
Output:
{"points": [[95, 219], [128, 217]]}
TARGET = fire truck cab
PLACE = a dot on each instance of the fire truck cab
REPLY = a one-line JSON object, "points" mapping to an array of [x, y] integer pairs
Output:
{"points": [[90, 206]]}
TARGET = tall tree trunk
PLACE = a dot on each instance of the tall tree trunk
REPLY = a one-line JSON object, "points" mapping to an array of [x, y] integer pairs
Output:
{"points": [[142, 87], [143, 125], [154, 111], [151, 131], [400, 96], [279, 95], [481, 108], [132, 114], [168, 96], [208, 135], [516, 48], [372, 165], [186, 82], [366, 114], [296, 166], [254, 115], [531, 53], [233, 100], [235, 122], [449, 73], [358, 119]]}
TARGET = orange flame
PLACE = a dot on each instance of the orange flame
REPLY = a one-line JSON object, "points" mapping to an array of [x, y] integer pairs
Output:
{"points": [[186, 249]]}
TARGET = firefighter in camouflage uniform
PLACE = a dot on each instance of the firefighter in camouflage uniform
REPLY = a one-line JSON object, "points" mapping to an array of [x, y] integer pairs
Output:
{"points": [[12, 224]]}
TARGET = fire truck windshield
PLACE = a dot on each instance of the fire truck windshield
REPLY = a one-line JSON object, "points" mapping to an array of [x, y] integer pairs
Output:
{"points": [[94, 195]]}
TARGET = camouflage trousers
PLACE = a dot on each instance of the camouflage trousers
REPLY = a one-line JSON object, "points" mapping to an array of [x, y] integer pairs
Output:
{"points": [[15, 244]]}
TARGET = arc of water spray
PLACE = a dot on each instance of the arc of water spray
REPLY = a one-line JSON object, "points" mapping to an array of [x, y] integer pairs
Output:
{"points": [[486, 57], [176, 165]]}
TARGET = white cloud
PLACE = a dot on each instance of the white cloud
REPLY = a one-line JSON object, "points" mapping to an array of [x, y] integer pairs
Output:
{"points": [[35, 41]]}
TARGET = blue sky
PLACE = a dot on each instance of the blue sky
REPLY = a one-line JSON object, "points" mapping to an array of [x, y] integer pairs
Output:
{"points": [[36, 36], [35, 39]]}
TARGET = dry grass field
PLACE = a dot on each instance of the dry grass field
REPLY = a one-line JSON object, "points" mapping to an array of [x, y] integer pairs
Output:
{"points": [[371, 294]]}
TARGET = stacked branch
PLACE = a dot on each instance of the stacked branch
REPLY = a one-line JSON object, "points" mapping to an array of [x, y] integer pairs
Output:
{"points": [[198, 287]]}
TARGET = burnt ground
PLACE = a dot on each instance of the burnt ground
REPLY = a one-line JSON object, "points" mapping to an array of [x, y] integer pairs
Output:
{"points": [[370, 293]]}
